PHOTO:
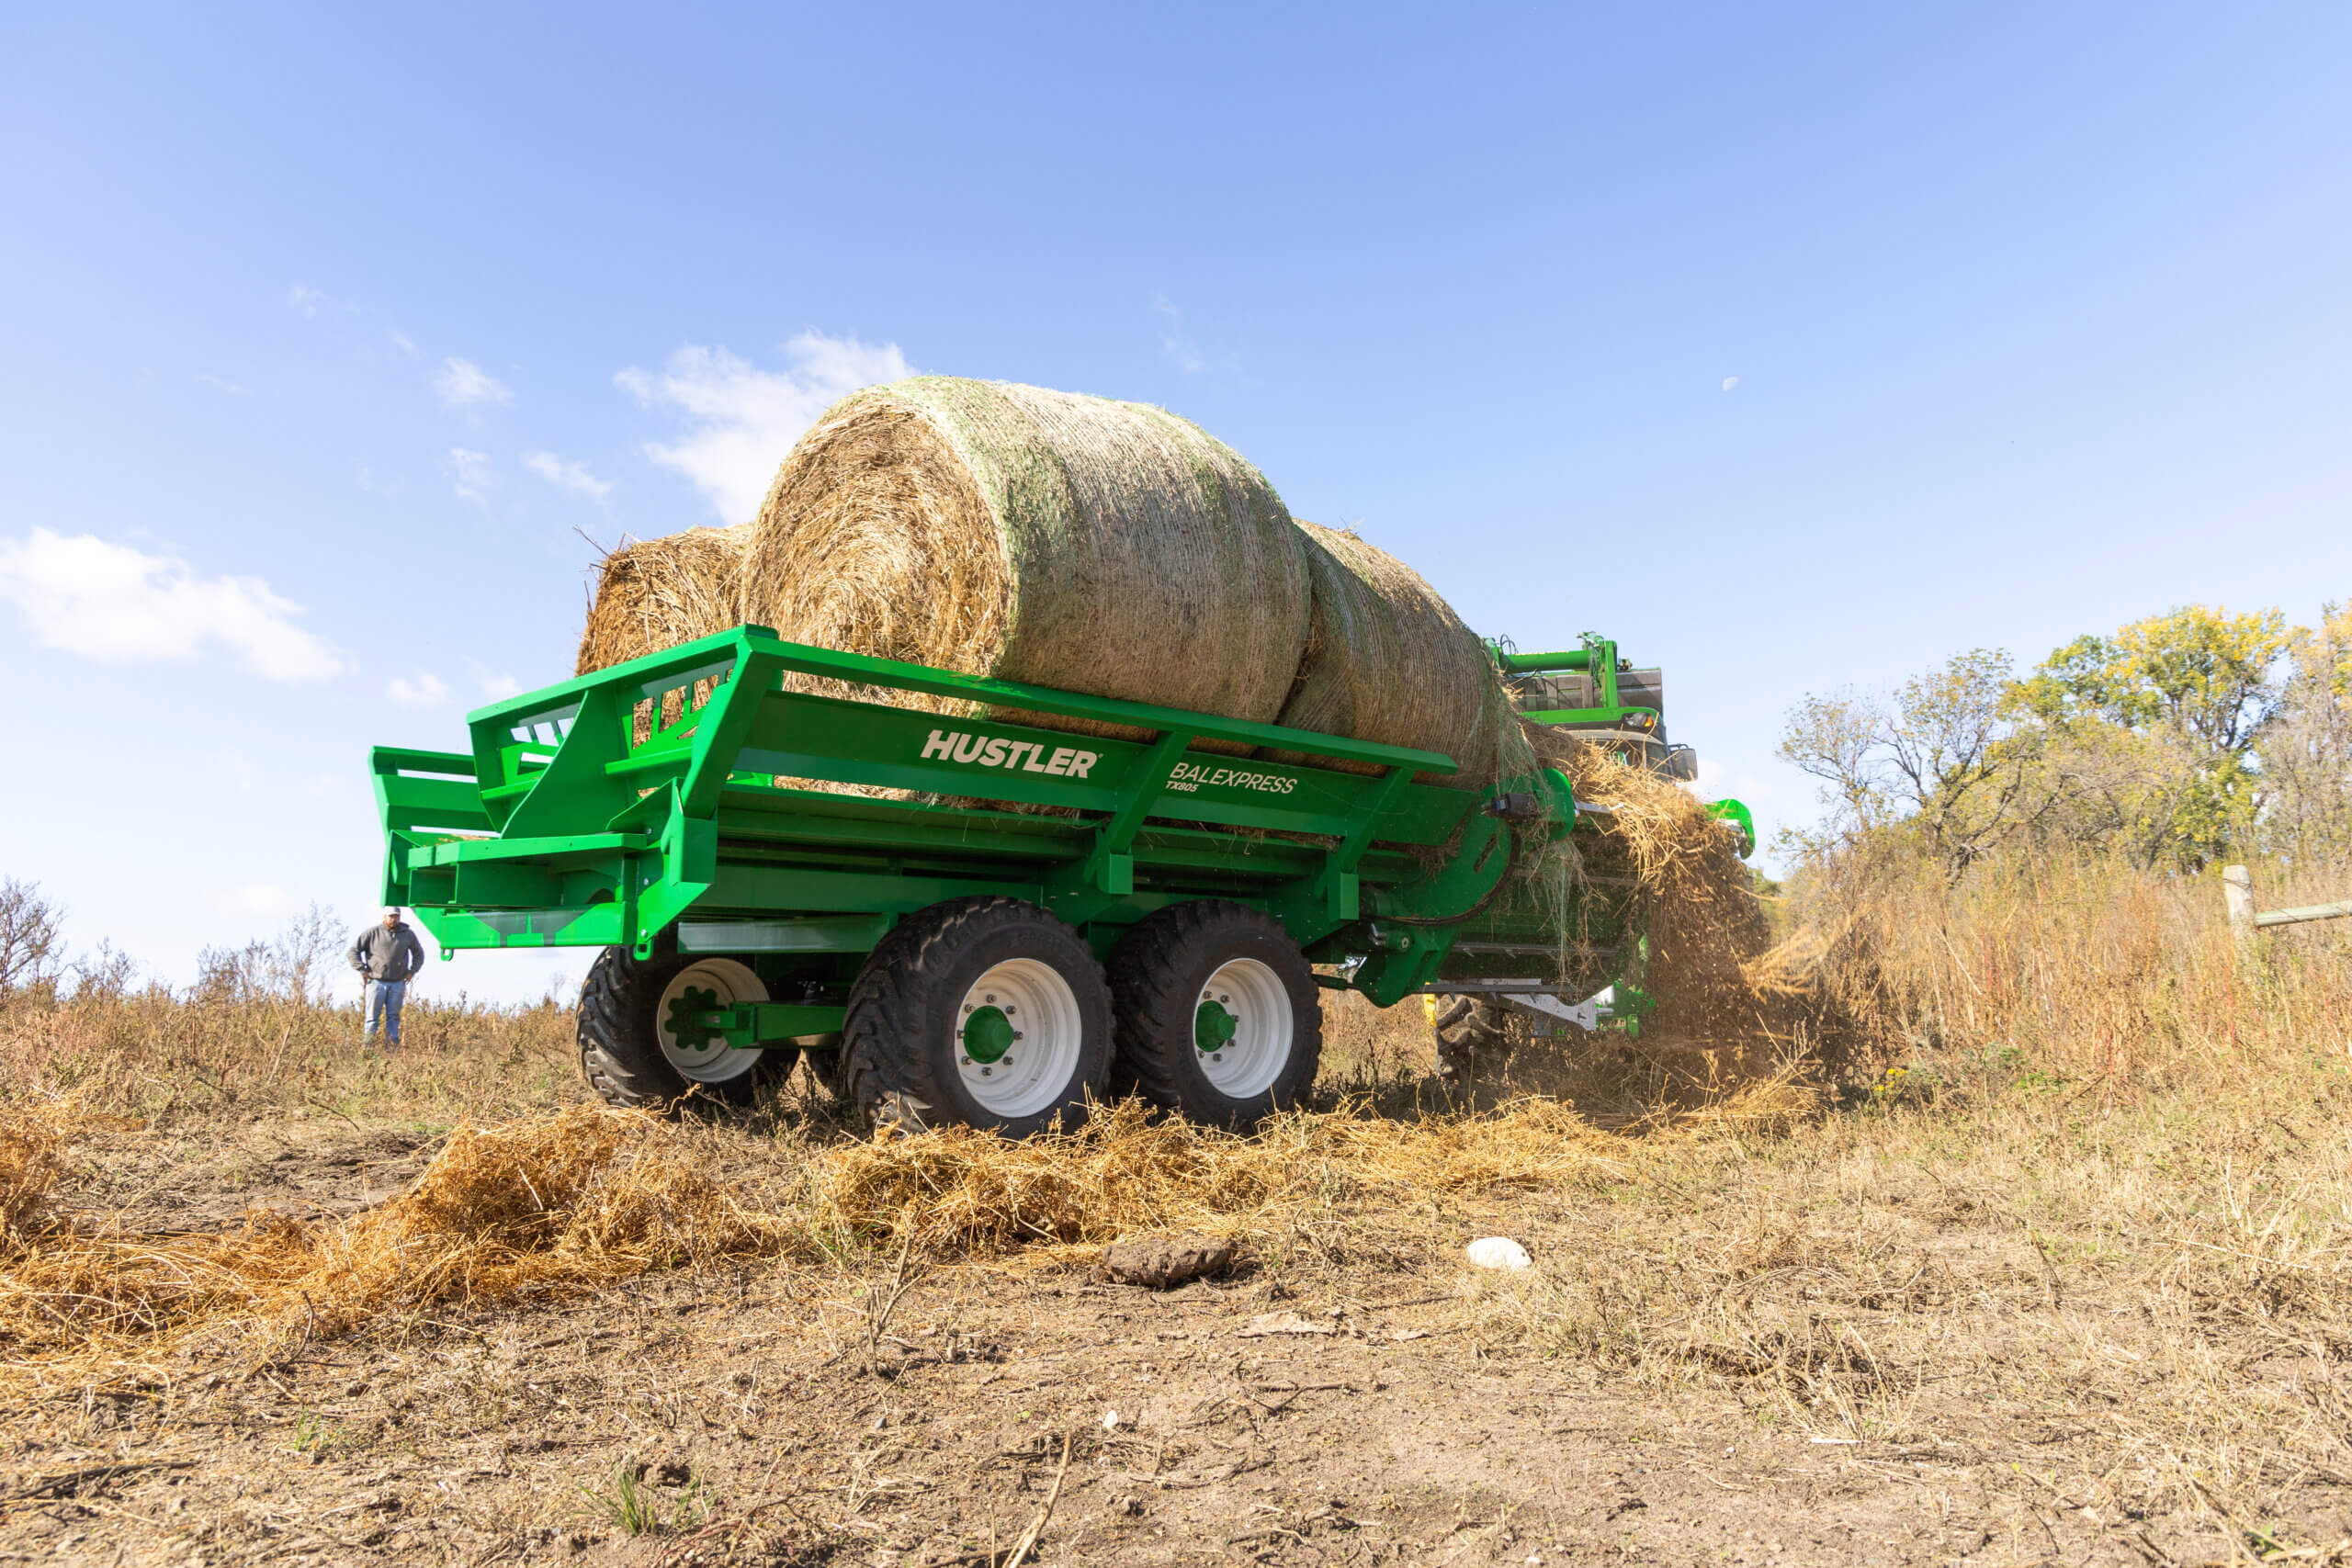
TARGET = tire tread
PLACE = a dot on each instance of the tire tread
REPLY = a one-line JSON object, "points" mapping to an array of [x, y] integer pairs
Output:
{"points": [[885, 1072], [1152, 1000]]}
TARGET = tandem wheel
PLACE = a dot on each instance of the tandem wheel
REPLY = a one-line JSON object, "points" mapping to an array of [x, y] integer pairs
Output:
{"points": [[632, 1057], [1218, 1016], [984, 1011]]}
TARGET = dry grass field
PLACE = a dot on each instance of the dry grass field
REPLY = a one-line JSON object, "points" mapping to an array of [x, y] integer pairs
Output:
{"points": [[2025, 1244]]}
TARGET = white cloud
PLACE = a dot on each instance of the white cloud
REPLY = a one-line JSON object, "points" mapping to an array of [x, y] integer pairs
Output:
{"points": [[475, 476], [229, 387], [427, 690], [462, 384], [401, 341], [305, 299], [496, 687], [744, 419], [1175, 341], [112, 603], [566, 476], [1729, 382]]}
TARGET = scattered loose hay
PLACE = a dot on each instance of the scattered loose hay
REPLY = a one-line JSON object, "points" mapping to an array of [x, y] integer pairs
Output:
{"points": [[543, 1210], [530, 1209], [1069, 541], [31, 1143], [1387, 659], [1056, 1199], [1732, 1005]]}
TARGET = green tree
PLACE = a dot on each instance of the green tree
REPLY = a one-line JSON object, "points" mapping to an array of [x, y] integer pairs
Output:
{"points": [[1945, 757]]}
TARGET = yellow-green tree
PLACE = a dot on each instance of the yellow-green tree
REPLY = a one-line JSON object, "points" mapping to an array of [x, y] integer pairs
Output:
{"points": [[2151, 732]]}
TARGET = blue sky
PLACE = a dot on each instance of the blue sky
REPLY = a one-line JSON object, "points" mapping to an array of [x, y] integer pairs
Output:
{"points": [[1795, 348]]}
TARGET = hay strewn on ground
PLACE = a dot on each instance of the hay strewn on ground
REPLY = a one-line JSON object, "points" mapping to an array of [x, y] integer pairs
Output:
{"points": [[589, 1197], [530, 1209], [30, 1168], [1096, 546]]}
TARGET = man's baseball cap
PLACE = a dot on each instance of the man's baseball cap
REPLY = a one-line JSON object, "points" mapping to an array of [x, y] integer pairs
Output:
{"points": [[393, 912]]}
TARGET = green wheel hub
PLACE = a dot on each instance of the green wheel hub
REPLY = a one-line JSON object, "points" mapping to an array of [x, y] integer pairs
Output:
{"points": [[686, 1025], [1212, 1027], [987, 1035]]}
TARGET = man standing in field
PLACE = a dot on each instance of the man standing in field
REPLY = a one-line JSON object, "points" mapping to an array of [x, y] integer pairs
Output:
{"points": [[386, 956]]}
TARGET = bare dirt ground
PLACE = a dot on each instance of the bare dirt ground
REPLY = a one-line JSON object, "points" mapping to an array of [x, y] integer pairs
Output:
{"points": [[1882, 1364]]}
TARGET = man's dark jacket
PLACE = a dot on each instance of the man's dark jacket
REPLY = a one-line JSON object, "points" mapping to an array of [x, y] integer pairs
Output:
{"points": [[388, 952]]}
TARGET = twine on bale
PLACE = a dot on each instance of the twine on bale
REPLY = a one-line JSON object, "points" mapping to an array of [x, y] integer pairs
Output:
{"points": [[1387, 659], [993, 529]]}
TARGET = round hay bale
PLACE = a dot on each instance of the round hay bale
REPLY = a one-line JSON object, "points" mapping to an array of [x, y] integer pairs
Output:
{"points": [[1387, 659], [994, 529], [657, 594]]}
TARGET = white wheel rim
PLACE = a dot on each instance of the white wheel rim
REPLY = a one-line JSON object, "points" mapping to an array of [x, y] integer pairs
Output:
{"points": [[1248, 1065], [714, 1061], [1035, 1070]]}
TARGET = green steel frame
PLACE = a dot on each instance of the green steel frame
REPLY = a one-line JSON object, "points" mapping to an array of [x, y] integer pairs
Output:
{"points": [[579, 817]]}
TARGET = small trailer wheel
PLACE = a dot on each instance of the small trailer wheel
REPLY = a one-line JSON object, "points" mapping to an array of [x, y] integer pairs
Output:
{"points": [[1218, 1016], [1472, 1032], [632, 1054], [985, 1011]]}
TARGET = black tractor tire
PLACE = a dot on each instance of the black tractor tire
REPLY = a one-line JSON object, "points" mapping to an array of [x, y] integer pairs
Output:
{"points": [[1157, 973], [620, 1051], [1472, 1032], [903, 1053]]}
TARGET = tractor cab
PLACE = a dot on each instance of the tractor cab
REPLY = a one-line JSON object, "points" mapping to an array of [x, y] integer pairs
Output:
{"points": [[1601, 697]]}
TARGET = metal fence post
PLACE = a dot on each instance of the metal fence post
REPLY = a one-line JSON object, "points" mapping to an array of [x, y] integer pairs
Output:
{"points": [[2237, 890]]}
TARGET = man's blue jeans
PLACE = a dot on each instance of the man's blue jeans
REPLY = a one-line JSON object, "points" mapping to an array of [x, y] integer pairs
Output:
{"points": [[384, 999]]}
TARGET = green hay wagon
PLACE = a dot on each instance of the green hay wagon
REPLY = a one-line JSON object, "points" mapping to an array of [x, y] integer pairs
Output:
{"points": [[974, 918]]}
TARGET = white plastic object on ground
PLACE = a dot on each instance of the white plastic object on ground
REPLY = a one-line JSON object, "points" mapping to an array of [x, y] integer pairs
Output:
{"points": [[1497, 1252]]}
